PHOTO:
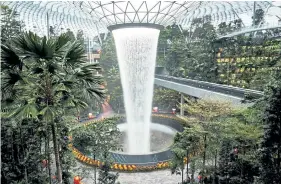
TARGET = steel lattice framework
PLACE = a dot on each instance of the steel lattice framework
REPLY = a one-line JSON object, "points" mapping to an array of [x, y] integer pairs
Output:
{"points": [[94, 17], [124, 12], [223, 11]]}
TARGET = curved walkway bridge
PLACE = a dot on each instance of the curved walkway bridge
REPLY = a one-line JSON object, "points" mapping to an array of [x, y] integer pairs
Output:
{"points": [[201, 89], [250, 29]]}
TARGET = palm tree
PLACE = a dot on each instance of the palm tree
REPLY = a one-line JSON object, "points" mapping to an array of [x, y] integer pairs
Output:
{"points": [[47, 79]]}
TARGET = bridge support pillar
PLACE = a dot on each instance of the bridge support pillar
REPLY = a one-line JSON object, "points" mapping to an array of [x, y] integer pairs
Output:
{"points": [[181, 105]]}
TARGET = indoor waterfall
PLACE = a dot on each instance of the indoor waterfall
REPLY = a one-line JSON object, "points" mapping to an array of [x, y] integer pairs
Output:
{"points": [[136, 51]]}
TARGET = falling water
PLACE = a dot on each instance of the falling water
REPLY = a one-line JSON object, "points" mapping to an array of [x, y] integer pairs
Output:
{"points": [[136, 51]]}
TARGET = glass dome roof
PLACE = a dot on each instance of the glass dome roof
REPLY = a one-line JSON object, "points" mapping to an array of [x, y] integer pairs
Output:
{"points": [[94, 17], [121, 12]]}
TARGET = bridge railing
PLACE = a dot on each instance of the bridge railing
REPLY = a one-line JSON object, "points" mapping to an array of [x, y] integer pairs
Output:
{"points": [[251, 29], [219, 88]]}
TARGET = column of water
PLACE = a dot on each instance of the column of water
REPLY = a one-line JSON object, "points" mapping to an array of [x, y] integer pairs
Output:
{"points": [[136, 51]]}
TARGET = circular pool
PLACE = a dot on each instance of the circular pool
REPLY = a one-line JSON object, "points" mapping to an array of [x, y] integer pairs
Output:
{"points": [[163, 130], [161, 137]]}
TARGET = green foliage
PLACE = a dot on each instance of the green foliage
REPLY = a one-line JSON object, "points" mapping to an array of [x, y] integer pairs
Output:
{"points": [[224, 156], [10, 26], [21, 156], [242, 131], [47, 81], [186, 144], [105, 177], [97, 138], [184, 58], [176, 51], [80, 37], [247, 61], [225, 128], [236, 167], [70, 35], [162, 46], [271, 143], [111, 72], [200, 64], [165, 98], [207, 110]]}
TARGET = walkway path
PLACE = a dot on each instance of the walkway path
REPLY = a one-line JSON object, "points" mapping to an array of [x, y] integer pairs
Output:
{"points": [[156, 177]]}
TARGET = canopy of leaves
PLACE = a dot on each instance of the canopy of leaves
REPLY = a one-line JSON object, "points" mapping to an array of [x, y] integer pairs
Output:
{"points": [[10, 25], [98, 138], [165, 99], [271, 143], [44, 81]]}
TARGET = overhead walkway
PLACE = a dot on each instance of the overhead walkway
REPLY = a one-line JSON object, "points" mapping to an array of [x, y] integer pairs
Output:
{"points": [[251, 29], [201, 89]]}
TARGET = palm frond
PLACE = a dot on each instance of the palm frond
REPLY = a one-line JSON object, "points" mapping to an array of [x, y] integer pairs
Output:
{"points": [[91, 66], [28, 110], [88, 79], [97, 93], [30, 45], [8, 82], [9, 59], [61, 42], [48, 114], [74, 55], [37, 69]]}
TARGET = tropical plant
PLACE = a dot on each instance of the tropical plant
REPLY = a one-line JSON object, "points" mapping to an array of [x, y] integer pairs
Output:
{"points": [[10, 25], [200, 63], [105, 177], [205, 113], [22, 159], [70, 34], [165, 99], [271, 142], [177, 52], [111, 72], [97, 140], [186, 144], [164, 38], [225, 125], [80, 37], [47, 80]]}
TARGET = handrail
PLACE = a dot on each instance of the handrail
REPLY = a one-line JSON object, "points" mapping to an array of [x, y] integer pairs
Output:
{"points": [[220, 88], [249, 29]]}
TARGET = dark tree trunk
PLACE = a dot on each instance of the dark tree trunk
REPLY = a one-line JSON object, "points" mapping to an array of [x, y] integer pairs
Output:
{"points": [[95, 171], [187, 161], [56, 151], [49, 158], [278, 158], [25, 175], [215, 173], [204, 154], [182, 175]]}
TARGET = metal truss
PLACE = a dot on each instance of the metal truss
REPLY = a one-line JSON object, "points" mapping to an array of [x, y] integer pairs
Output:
{"points": [[124, 12], [93, 17], [223, 11], [61, 15]]}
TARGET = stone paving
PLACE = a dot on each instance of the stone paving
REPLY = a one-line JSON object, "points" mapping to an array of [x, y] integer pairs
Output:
{"points": [[155, 177]]}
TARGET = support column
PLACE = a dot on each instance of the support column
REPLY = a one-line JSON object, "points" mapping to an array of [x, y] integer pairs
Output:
{"points": [[254, 13], [181, 105], [48, 26]]}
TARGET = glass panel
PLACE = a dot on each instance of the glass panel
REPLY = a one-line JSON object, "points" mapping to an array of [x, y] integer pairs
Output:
{"points": [[142, 17], [129, 17]]}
